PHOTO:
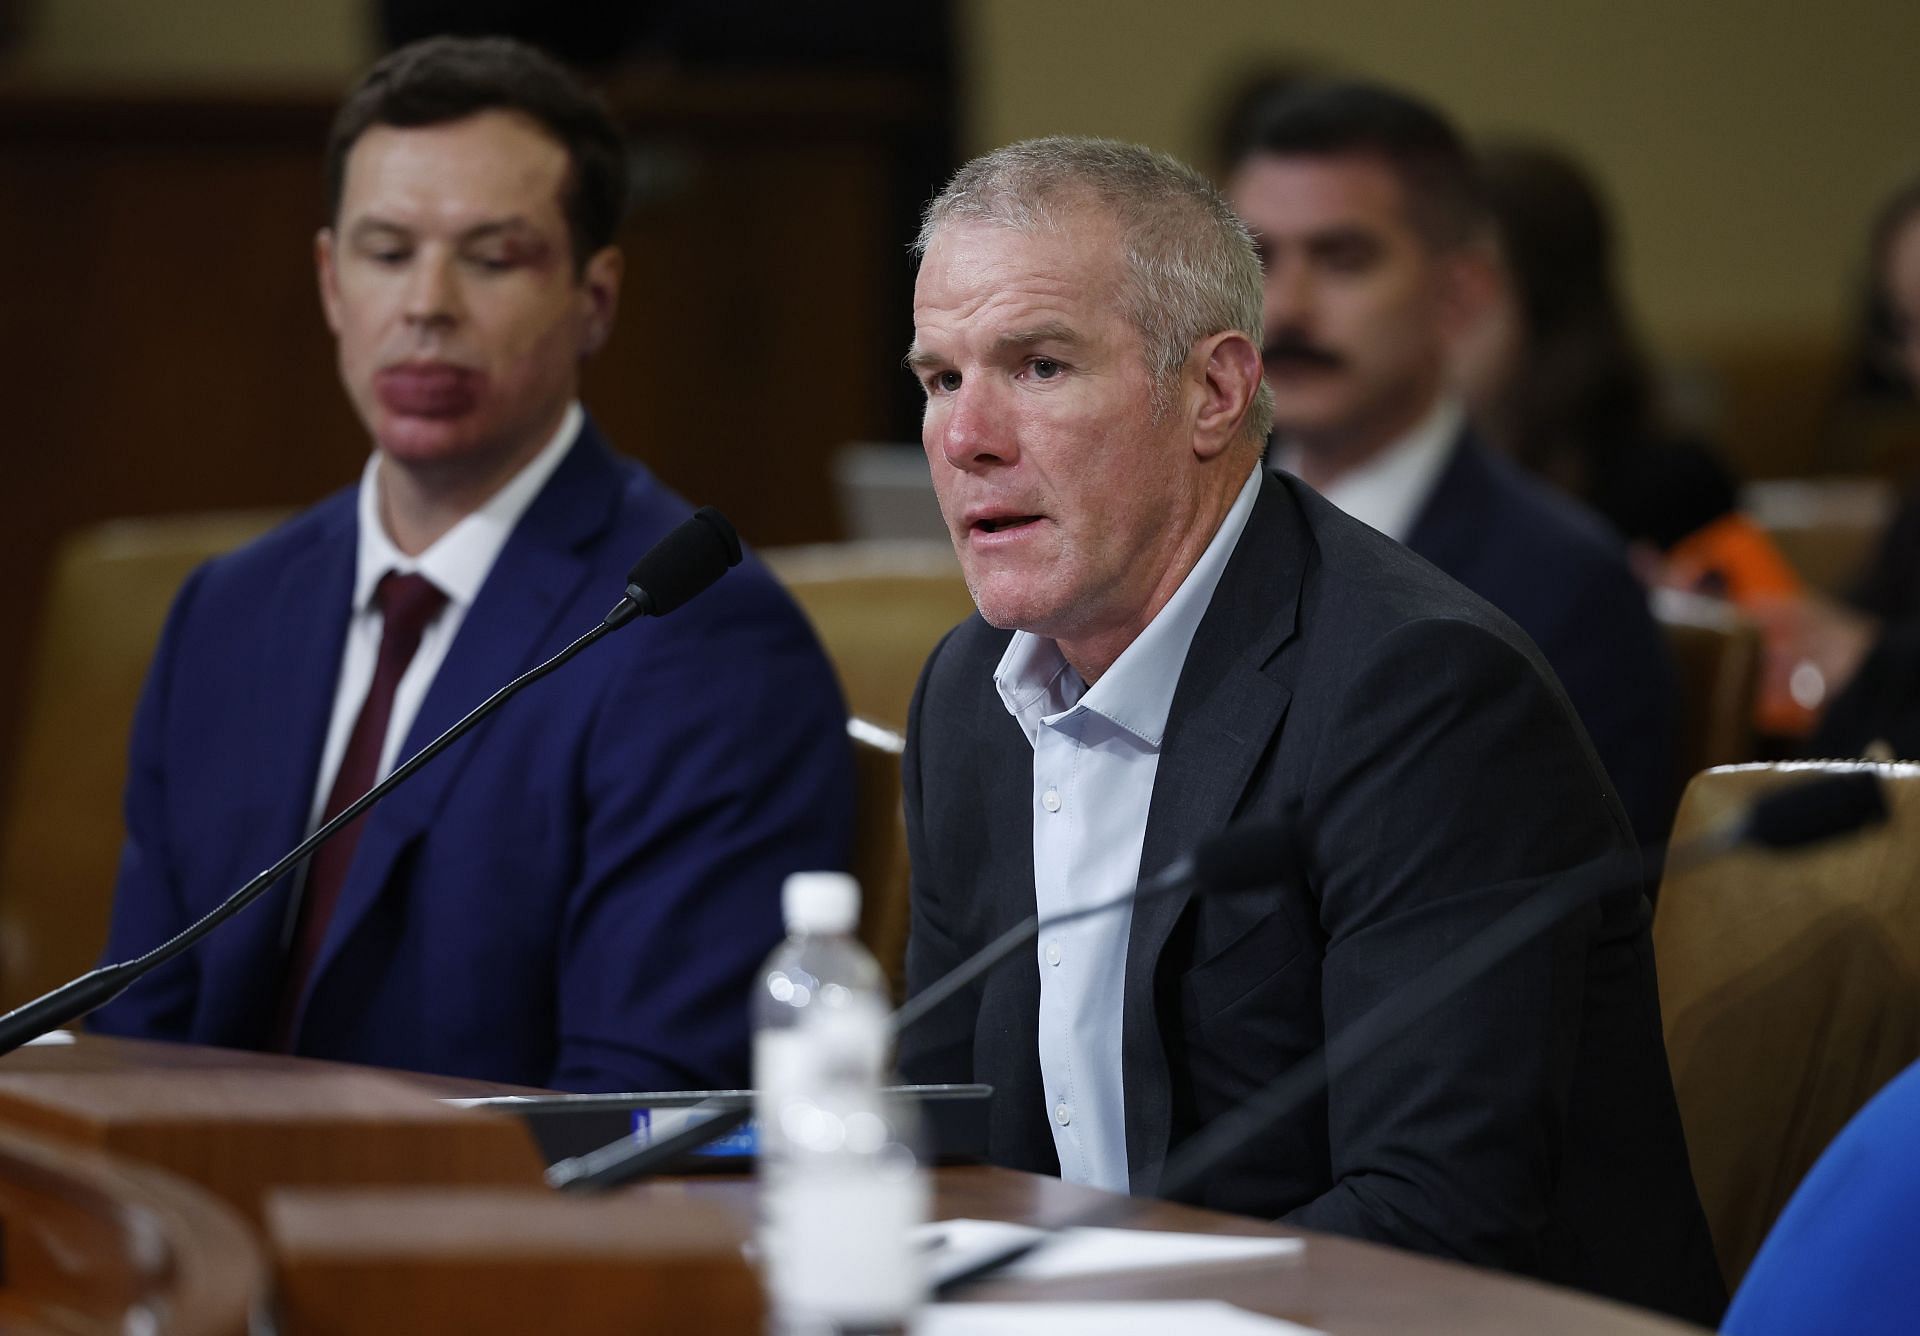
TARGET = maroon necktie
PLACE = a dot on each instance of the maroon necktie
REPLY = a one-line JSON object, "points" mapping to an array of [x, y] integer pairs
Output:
{"points": [[407, 604]]}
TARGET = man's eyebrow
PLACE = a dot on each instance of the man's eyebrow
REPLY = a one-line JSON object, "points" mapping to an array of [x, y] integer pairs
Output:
{"points": [[513, 224], [918, 359], [1052, 332], [367, 226], [1343, 235]]}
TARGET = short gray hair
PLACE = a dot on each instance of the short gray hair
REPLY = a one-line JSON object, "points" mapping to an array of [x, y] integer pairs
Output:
{"points": [[1192, 269]]}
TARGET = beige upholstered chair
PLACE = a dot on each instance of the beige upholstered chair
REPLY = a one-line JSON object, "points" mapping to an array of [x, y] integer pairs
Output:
{"points": [[1789, 989], [880, 848], [880, 608], [60, 836]]}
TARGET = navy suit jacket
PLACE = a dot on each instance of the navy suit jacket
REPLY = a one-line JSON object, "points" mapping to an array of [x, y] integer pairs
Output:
{"points": [[577, 894], [1556, 570], [1431, 777]]}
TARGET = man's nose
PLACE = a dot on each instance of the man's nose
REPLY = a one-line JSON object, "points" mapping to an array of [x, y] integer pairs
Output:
{"points": [[433, 292], [971, 429], [1287, 298]]}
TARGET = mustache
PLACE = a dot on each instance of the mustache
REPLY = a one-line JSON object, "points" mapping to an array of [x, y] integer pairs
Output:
{"points": [[1290, 347]]}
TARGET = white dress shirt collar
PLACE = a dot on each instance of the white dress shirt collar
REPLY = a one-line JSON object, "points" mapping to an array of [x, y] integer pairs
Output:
{"points": [[1389, 490], [1096, 753], [459, 560], [1037, 685]]}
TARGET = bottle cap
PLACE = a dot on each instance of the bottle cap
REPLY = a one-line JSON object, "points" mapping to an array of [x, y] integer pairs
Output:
{"points": [[820, 902]]}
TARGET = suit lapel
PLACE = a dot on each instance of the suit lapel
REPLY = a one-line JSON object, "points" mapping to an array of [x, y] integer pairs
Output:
{"points": [[300, 659], [513, 619], [1226, 710]]}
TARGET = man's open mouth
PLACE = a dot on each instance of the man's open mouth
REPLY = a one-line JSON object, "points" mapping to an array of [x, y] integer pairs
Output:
{"points": [[1000, 522]]}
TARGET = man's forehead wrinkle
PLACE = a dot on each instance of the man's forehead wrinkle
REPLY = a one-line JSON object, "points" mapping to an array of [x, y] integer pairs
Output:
{"points": [[995, 320], [1341, 197], [982, 295], [378, 222], [1318, 240], [397, 175]]}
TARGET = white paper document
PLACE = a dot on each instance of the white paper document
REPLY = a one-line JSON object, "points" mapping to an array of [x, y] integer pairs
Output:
{"points": [[1198, 1317], [951, 1246]]}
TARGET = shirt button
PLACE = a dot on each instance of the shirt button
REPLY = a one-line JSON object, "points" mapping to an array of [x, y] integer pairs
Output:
{"points": [[1053, 953], [1051, 800], [1062, 1113]]}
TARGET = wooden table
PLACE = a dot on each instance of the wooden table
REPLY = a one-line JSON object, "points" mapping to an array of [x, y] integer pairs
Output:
{"points": [[92, 1244], [1334, 1284], [363, 1238]]}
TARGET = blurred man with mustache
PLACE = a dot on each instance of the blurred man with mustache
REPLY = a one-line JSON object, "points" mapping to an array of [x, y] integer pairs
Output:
{"points": [[578, 894], [1374, 242]]}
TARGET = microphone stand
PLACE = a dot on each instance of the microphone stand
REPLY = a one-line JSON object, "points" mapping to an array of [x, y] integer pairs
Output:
{"points": [[678, 567], [1232, 861], [1799, 815]]}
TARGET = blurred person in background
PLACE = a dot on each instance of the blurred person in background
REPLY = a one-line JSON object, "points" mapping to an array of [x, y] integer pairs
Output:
{"points": [[1555, 376], [1374, 237], [1862, 656]]}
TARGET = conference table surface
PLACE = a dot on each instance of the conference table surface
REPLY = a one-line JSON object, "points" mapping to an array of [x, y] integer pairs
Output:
{"points": [[1331, 1284], [102, 1092]]}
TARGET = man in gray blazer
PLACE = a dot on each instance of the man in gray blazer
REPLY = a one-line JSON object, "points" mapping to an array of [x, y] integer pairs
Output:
{"points": [[1172, 640]]}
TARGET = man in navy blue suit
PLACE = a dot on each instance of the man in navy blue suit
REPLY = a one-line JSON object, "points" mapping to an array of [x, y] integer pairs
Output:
{"points": [[1374, 242], [579, 892]]}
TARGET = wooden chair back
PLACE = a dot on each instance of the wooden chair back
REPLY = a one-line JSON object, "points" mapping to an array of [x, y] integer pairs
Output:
{"points": [[1789, 991]]}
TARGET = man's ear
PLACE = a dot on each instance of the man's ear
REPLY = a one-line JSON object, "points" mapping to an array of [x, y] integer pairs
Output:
{"points": [[600, 297], [328, 276], [1225, 372]]}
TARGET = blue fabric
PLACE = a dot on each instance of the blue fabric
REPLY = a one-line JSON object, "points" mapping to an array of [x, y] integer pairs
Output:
{"points": [[1557, 571], [578, 894], [1845, 1254]]}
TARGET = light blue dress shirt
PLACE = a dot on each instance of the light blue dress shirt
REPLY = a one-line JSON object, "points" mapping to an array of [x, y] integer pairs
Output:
{"points": [[1095, 753]]}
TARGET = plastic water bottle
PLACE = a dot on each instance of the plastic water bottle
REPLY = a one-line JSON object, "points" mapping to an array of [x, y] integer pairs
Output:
{"points": [[840, 1186]]}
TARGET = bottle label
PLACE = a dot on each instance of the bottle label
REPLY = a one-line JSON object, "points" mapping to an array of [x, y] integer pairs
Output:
{"points": [[809, 1074], [839, 1240]]}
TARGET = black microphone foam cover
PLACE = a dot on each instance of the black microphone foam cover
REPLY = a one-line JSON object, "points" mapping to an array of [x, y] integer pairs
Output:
{"points": [[1817, 810], [692, 556], [1241, 857]]}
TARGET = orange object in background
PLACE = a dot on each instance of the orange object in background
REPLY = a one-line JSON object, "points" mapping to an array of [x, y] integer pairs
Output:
{"points": [[1733, 558]]}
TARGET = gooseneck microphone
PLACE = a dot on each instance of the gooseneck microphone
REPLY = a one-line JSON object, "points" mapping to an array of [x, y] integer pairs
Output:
{"points": [[1239, 859], [694, 554], [1789, 817], [689, 559]]}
